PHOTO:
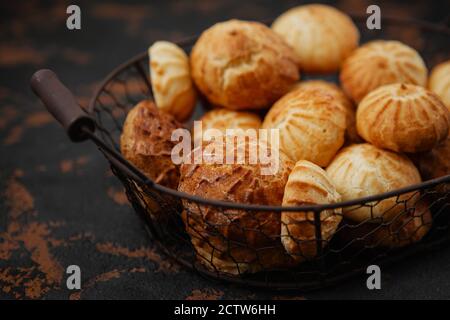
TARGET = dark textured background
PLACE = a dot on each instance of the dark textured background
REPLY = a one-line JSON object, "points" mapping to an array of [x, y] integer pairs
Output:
{"points": [[60, 204]]}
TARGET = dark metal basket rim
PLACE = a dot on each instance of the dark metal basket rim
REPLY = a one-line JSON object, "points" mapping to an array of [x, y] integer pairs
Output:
{"points": [[243, 206]]}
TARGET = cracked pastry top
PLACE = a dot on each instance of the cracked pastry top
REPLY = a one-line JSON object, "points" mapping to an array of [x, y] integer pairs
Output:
{"points": [[235, 240], [145, 141], [243, 65]]}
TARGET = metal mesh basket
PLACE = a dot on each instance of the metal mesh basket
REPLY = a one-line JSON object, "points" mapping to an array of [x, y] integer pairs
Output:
{"points": [[175, 221]]}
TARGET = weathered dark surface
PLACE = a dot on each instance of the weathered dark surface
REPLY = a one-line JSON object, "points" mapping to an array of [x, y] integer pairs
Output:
{"points": [[61, 205]]}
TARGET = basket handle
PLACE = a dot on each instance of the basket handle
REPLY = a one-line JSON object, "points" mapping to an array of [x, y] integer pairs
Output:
{"points": [[61, 103]]}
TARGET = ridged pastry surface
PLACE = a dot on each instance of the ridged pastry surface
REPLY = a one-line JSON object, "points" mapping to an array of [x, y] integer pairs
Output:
{"points": [[311, 125], [363, 170], [381, 62], [321, 36], [235, 240], [243, 65], [145, 141], [351, 135], [403, 118], [439, 82], [308, 184], [172, 86]]}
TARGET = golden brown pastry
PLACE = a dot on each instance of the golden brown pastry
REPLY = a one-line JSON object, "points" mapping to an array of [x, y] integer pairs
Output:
{"points": [[232, 240], [172, 86], [363, 170], [403, 118], [311, 123], [242, 65], [308, 184], [223, 119], [351, 135], [439, 82], [145, 141], [381, 62], [321, 36], [407, 228], [435, 163]]}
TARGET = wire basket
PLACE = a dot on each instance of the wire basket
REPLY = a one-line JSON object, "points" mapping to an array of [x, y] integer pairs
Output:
{"points": [[174, 221]]}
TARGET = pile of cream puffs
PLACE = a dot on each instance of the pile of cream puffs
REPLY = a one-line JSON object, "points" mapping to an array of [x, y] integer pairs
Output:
{"points": [[384, 127]]}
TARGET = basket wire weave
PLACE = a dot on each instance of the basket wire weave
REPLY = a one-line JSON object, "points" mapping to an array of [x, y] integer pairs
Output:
{"points": [[336, 258]]}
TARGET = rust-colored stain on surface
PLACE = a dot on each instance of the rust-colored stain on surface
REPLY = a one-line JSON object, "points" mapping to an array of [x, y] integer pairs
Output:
{"points": [[82, 160], [68, 165], [205, 294], [14, 280], [118, 196], [32, 238], [163, 264], [7, 114], [12, 55], [131, 15], [76, 56], [35, 238], [16, 54], [14, 135], [31, 16], [17, 197], [34, 120], [38, 119], [104, 277]]}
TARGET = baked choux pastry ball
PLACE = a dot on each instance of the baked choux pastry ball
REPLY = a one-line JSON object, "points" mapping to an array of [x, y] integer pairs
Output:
{"points": [[403, 118], [351, 135], [406, 229], [381, 62], [311, 125], [243, 65], [146, 142], [439, 82], [363, 170], [171, 82], [321, 36], [308, 184], [435, 163], [234, 240], [224, 119]]}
